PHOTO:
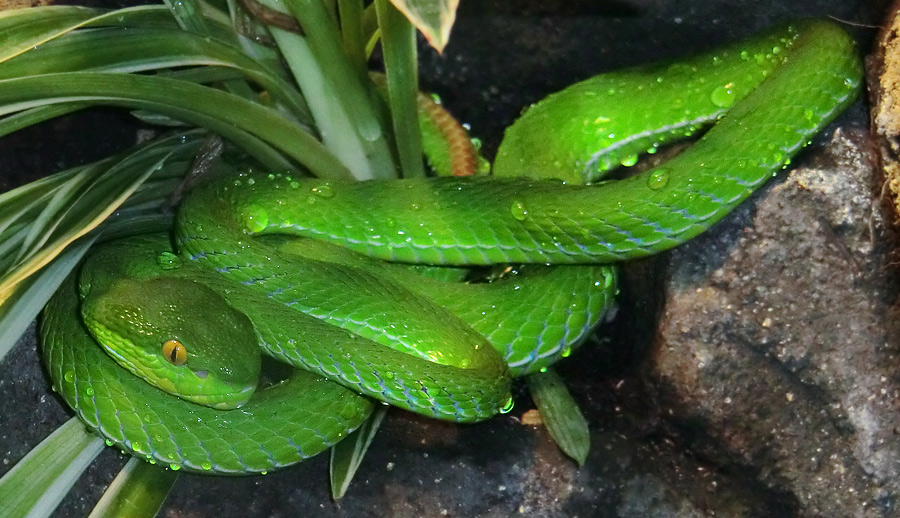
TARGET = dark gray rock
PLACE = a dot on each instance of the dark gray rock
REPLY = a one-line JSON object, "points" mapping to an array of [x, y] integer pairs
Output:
{"points": [[777, 338]]}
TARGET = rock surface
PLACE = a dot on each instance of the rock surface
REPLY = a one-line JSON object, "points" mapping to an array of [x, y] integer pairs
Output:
{"points": [[777, 338], [883, 77]]}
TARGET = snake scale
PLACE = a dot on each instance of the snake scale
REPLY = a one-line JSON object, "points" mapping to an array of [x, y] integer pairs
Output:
{"points": [[360, 329]]}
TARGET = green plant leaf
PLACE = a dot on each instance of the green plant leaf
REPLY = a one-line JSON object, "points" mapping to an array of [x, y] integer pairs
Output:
{"points": [[138, 491], [433, 18], [38, 482], [18, 201], [18, 210], [75, 208], [332, 120], [24, 29], [350, 14], [398, 41], [243, 122], [139, 49], [560, 414], [188, 14], [23, 119], [349, 453], [38, 220], [22, 306], [343, 83]]}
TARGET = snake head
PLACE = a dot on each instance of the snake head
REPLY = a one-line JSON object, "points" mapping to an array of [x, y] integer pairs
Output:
{"points": [[179, 336]]}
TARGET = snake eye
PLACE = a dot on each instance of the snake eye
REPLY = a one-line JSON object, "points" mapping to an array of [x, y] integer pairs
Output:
{"points": [[175, 352]]}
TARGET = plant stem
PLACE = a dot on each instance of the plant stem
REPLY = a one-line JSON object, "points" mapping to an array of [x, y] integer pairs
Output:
{"points": [[330, 115], [351, 17], [356, 96], [398, 41]]}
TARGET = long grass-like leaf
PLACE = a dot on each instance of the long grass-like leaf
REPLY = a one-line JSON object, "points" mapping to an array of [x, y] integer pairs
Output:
{"points": [[249, 32], [351, 19], [38, 482], [560, 414], [15, 122], [24, 304], [138, 491], [53, 213], [224, 113], [18, 201], [94, 193], [144, 49], [21, 224], [329, 112], [370, 30], [129, 223], [325, 42], [83, 212], [188, 14], [349, 453], [398, 41], [202, 75], [342, 79], [23, 29], [193, 15]]}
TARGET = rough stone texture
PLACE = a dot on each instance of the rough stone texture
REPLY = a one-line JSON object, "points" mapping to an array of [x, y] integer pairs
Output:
{"points": [[665, 439], [778, 340], [883, 76]]}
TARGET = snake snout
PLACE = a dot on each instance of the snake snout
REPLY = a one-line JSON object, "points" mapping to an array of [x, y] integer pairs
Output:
{"points": [[179, 336]]}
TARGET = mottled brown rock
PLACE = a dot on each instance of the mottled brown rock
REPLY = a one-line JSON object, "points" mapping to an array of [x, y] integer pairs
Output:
{"points": [[18, 4], [778, 341], [883, 74]]}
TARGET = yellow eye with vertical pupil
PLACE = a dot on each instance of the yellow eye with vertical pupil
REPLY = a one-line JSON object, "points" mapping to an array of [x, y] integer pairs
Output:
{"points": [[175, 352]]}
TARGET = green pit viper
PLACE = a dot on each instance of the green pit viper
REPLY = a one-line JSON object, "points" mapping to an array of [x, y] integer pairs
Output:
{"points": [[362, 327]]}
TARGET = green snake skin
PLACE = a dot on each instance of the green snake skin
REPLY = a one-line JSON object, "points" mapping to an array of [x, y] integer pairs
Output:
{"points": [[537, 221], [329, 306], [156, 426]]}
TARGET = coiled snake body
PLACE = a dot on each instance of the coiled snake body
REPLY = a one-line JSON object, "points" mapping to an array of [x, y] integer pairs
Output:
{"points": [[356, 325]]}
